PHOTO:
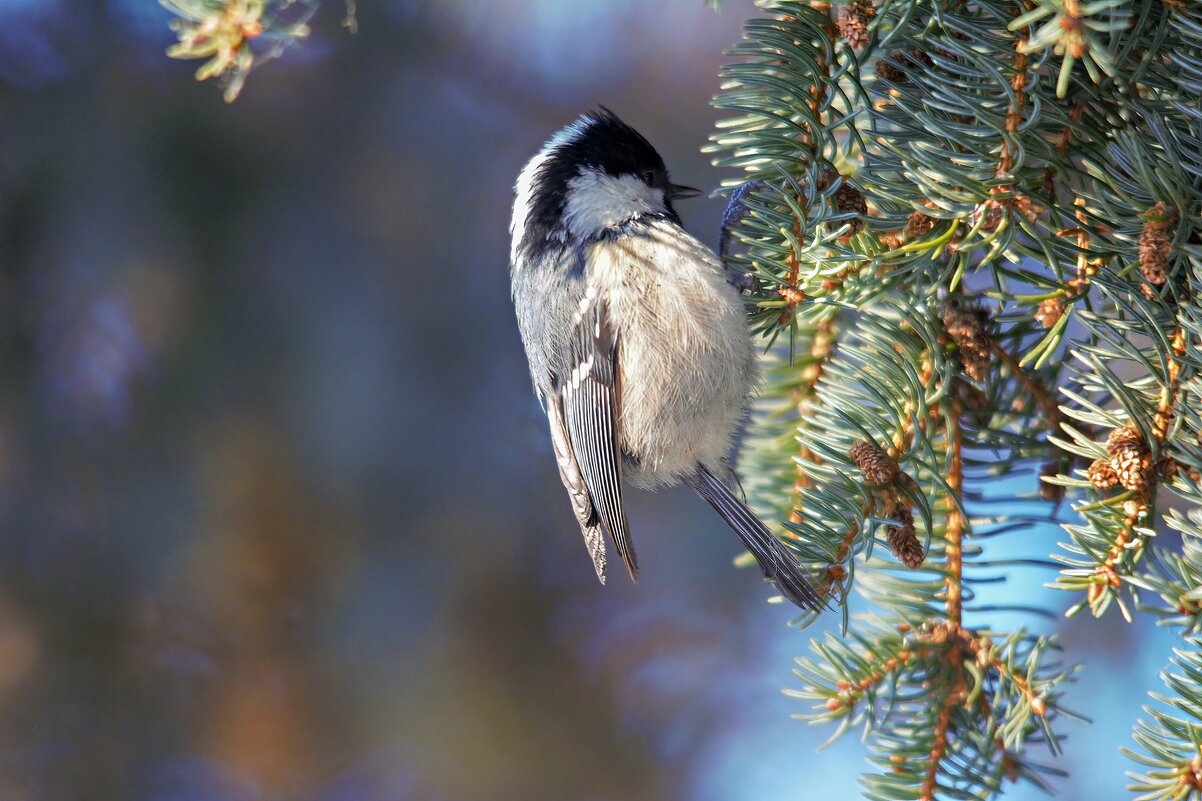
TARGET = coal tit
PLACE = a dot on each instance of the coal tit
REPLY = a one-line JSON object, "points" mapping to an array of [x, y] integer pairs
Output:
{"points": [[639, 347]]}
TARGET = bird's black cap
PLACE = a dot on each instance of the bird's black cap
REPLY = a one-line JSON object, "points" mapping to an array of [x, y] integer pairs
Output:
{"points": [[597, 140], [600, 140]]}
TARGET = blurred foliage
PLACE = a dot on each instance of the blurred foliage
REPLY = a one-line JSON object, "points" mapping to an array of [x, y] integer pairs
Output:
{"points": [[952, 213], [237, 562], [222, 31]]}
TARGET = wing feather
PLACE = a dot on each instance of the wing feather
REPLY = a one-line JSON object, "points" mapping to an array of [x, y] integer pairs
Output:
{"points": [[590, 398], [573, 481]]}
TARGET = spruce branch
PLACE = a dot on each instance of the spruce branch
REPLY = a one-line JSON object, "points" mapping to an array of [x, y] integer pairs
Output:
{"points": [[1170, 743], [974, 260]]}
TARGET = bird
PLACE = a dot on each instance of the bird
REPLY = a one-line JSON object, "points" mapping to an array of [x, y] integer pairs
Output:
{"points": [[639, 348]]}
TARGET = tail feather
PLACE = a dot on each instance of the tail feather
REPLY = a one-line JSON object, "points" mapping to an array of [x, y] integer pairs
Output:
{"points": [[778, 564]]}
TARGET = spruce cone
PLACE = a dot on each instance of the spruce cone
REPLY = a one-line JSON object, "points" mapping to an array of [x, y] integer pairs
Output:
{"points": [[919, 224], [1122, 439], [1133, 471], [966, 327], [849, 199], [889, 71], [1102, 475], [875, 465], [853, 22], [1129, 458], [903, 540], [1154, 252], [1154, 246], [1049, 312]]}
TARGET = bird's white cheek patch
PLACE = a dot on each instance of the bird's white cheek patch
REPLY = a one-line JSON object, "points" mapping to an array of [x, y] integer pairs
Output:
{"points": [[597, 201]]}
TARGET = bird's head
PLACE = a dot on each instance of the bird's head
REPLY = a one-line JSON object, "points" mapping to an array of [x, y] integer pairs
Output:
{"points": [[593, 176]]}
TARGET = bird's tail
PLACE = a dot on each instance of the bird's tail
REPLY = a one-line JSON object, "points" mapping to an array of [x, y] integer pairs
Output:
{"points": [[778, 564]]}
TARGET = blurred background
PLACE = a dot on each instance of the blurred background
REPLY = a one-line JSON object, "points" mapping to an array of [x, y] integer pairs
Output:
{"points": [[278, 513]]}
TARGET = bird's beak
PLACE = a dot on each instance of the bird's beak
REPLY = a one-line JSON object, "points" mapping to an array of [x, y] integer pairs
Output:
{"points": [[677, 192]]}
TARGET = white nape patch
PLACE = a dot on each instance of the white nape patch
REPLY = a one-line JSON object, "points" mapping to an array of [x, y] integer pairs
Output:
{"points": [[524, 188], [523, 191], [597, 201]]}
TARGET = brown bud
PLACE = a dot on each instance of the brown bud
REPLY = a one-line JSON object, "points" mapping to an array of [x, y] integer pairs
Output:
{"points": [[1102, 475], [1012, 769], [989, 214], [891, 240], [1049, 312], [919, 224], [875, 465], [1039, 706], [1154, 249]]}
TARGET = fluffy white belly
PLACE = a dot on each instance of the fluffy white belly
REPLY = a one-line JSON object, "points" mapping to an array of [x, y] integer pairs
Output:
{"points": [[685, 358]]}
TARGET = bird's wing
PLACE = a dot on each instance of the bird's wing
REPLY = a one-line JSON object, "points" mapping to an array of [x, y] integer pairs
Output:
{"points": [[590, 398], [573, 481]]}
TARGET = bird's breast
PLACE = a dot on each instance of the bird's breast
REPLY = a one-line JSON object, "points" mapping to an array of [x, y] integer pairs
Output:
{"points": [[685, 359]]}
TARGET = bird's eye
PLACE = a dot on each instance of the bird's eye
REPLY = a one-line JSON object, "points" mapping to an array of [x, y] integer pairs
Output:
{"points": [[648, 177]]}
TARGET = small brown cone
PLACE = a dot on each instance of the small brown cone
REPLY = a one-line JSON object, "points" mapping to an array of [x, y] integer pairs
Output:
{"points": [[903, 540], [1102, 475], [1130, 459], [852, 21], [1154, 249], [889, 71], [922, 58], [1154, 244], [849, 200], [919, 224], [1133, 471], [966, 327], [1122, 439], [875, 465]]}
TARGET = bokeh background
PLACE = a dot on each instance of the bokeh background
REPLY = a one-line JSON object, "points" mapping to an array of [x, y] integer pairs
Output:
{"points": [[278, 513]]}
